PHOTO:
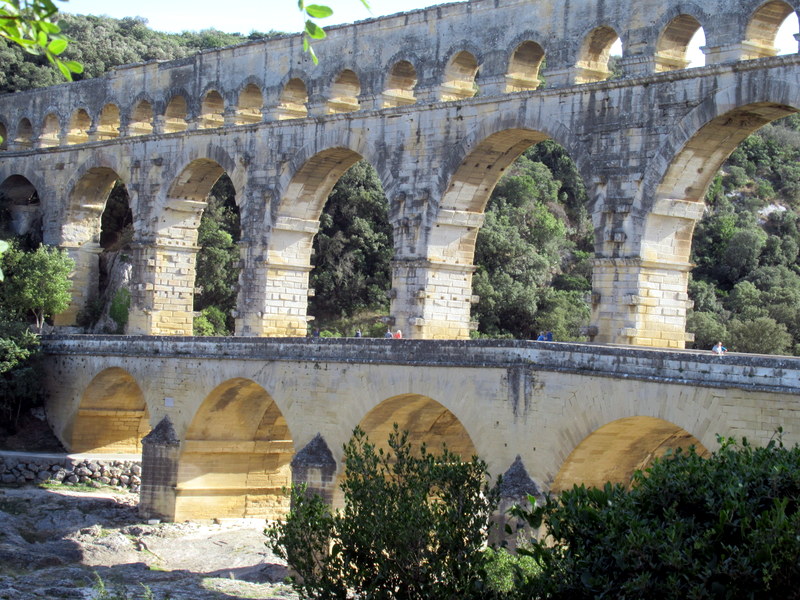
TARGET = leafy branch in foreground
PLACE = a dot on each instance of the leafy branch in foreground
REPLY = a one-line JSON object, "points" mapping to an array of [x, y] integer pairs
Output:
{"points": [[29, 24], [311, 29]]}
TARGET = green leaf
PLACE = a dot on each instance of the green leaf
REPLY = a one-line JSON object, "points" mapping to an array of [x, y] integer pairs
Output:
{"points": [[49, 27], [64, 70], [314, 31], [57, 46], [366, 4], [318, 11], [74, 66]]}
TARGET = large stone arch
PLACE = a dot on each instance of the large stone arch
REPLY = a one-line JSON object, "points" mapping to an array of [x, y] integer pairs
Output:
{"points": [[165, 305], [277, 256], [440, 281], [235, 457], [643, 297], [111, 417], [426, 420], [285, 265], [616, 450], [594, 402], [90, 188]]}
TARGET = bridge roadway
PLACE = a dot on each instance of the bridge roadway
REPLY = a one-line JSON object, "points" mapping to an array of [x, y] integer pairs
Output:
{"points": [[234, 420]]}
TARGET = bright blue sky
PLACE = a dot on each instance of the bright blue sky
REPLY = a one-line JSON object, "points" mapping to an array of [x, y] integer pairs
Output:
{"points": [[235, 16]]}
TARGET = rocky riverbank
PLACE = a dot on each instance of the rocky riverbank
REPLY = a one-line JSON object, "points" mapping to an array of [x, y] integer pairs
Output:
{"points": [[55, 543]]}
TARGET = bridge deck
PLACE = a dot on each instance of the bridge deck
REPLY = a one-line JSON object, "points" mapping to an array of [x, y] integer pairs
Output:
{"points": [[776, 374]]}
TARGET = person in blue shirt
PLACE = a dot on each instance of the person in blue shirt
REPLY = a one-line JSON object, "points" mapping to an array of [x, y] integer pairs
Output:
{"points": [[719, 349]]}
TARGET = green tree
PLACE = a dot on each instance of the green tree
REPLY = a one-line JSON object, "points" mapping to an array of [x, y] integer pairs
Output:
{"points": [[413, 526], [760, 335], [353, 249], [37, 282], [689, 527], [520, 248], [218, 259], [20, 373]]}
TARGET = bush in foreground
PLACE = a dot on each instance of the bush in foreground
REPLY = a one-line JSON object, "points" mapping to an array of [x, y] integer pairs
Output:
{"points": [[414, 526], [690, 528]]}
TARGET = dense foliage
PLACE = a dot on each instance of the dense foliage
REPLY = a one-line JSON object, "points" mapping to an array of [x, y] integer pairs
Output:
{"points": [[413, 526], [746, 286], [353, 248], [30, 26], [533, 268], [36, 285], [217, 261], [690, 527]]}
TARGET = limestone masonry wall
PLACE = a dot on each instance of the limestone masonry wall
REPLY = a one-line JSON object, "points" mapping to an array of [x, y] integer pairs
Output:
{"points": [[440, 102]]}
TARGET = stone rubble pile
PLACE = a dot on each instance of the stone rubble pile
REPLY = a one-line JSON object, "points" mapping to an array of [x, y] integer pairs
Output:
{"points": [[71, 471]]}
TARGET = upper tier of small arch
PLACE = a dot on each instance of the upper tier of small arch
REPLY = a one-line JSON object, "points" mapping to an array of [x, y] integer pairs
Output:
{"points": [[444, 53]]}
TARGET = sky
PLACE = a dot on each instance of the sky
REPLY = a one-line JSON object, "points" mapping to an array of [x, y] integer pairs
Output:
{"points": [[244, 16], [236, 16]]}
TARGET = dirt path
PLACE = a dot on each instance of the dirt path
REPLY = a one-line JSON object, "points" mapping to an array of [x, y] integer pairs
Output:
{"points": [[53, 542]]}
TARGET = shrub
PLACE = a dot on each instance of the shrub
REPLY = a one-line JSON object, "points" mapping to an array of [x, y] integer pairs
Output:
{"points": [[413, 526], [210, 322], [120, 307], [722, 527]]}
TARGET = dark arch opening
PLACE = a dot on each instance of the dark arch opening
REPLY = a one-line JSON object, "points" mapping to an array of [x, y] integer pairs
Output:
{"points": [[20, 212]]}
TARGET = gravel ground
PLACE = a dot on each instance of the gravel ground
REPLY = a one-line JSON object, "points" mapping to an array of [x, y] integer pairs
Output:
{"points": [[54, 544]]}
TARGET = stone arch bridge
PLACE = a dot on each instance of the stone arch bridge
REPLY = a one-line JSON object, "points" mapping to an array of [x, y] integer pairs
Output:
{"points": [[440, 101], [233, 420]]}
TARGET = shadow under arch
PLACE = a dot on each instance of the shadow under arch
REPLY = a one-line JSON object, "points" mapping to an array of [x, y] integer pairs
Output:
{"points": [[20, 208], [112, 416], [618, 449], [235, 458]]}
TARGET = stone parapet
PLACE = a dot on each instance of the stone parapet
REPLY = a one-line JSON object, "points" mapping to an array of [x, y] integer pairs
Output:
{"points": [[779, 374]]}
